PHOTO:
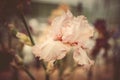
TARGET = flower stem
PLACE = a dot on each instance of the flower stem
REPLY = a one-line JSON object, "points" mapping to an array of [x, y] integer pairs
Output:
{"points": [[32, 41], [46, 73], [27, 28], [30, 75]]}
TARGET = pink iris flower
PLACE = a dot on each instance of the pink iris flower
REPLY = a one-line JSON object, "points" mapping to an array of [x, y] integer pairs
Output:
{"points": [[67, 32]]}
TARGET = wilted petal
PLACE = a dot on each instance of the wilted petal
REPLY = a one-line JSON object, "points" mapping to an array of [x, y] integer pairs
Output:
{"points": [[50, 66], [23, 38], [51, 50], [80, 56]]}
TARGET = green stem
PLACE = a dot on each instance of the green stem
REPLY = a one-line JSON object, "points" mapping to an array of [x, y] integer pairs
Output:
{"points": [[27, 28], [29, 74], [25, 69], [29, 34], [46, 74]]}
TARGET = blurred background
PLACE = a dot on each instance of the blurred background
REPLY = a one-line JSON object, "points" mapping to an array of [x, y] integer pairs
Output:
{"points": [[35, 16]]}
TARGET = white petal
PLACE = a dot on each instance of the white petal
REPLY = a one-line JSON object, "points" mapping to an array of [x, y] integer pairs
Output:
{"points": [[80, 56], [51, 50]]}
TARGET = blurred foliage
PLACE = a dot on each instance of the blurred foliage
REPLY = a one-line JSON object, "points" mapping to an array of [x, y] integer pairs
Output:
{"points": [[9, 8]]}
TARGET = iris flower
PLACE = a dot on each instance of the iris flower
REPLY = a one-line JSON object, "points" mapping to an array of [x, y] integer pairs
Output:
{"points": [[68, 32]]}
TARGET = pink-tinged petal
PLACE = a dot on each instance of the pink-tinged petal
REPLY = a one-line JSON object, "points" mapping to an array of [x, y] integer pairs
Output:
{"points": [[70, 29], [77, 29], [58, 24], [51, 50], [80, 56], [69, 14]]}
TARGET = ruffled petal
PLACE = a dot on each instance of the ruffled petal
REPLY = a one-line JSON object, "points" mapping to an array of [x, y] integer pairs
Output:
{"points": [[80, 56], [78, 29], [59, 23], [51, 50]]}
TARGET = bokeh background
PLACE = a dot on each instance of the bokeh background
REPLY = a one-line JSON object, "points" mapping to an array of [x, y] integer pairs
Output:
{"points": [[16, 59]]}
